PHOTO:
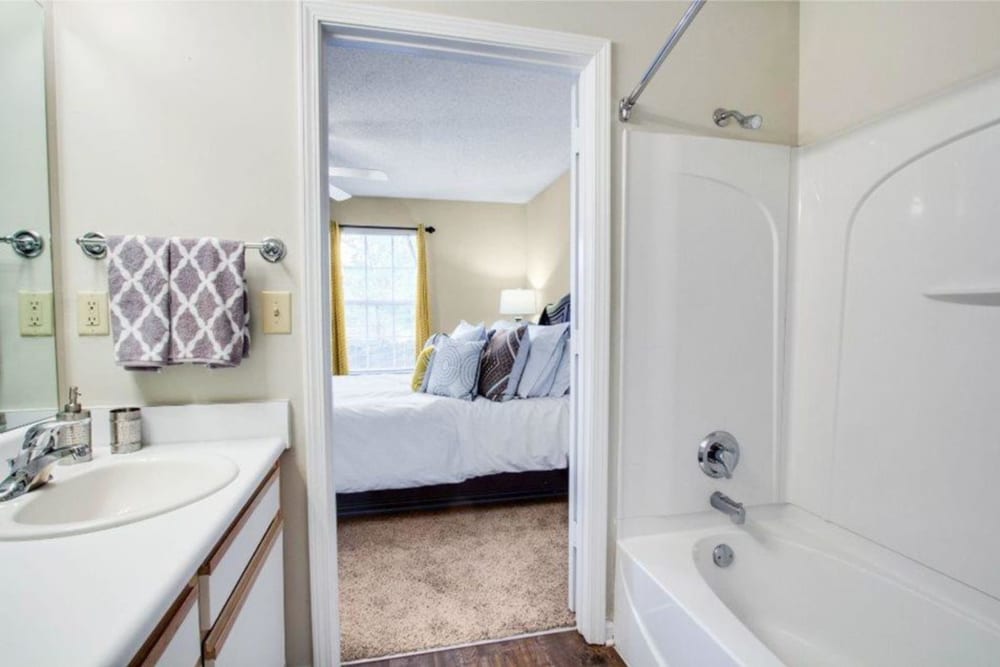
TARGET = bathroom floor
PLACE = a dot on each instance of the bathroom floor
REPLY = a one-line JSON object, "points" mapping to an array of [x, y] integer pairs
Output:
{"points": [[425, 580], [558, 649]]}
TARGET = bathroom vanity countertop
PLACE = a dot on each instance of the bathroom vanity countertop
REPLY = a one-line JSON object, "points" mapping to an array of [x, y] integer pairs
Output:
{"points": [[94, 598]]}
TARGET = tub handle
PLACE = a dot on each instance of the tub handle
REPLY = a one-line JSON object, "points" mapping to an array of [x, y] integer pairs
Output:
{"points": [[719, 454]]}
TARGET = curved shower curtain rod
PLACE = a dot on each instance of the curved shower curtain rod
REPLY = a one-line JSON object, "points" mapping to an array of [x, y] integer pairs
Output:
{"points": [[626, 103]]}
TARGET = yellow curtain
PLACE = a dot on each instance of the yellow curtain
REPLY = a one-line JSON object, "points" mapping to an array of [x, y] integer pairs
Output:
{"points": [[423, 306], [339, 327]]}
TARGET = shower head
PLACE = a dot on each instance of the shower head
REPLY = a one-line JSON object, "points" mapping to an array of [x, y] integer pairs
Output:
{"points": [[752, 122]]}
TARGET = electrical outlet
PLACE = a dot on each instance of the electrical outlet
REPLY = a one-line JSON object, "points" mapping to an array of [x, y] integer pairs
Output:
{"points": [[277, 312], [35, 313], [92, 313]]}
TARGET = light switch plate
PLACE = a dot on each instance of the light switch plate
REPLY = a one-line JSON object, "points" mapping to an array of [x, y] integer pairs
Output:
{"points": [[34, 313], [276, 312], [92, 313]]}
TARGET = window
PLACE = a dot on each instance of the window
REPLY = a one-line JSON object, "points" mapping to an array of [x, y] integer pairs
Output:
{"points": [[380, 286]]}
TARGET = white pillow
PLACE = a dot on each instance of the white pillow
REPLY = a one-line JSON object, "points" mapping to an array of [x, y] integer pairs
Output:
{"points": [[504, 325], [546, 350], [469, 332]]}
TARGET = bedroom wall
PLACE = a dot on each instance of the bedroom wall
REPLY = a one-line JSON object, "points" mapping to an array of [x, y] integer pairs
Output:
{"points": [[477, 250], [888, 54], [480, 248], [547, 260]]}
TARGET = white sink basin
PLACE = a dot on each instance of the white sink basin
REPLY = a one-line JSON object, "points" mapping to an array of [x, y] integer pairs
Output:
{"points": [[113, 491]]}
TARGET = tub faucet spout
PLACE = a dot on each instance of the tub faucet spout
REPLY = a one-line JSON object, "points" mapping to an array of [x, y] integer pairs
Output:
{"points": [[729, 507]]}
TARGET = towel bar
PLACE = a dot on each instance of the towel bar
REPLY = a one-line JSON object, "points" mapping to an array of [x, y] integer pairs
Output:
{"points": [[25, 242], [95, 246]]}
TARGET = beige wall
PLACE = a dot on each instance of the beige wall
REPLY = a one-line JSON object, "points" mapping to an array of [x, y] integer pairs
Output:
{"points": [[859, 60], [742, 55], [547, 260], [181, 118], [477, 250]]}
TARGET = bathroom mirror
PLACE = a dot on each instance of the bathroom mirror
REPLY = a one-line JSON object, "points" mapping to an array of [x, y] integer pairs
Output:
{"points": [[27, 345]]}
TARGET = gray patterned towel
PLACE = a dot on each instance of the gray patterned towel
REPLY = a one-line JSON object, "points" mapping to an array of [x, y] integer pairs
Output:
{"points": [[139, 301], [210, 320]]}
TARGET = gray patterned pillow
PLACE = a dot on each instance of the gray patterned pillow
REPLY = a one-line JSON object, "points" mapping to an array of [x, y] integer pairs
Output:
{"points": [[455, 369], [503, 362]]}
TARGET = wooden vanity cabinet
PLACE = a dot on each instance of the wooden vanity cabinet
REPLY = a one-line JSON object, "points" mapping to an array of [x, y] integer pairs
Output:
{"points": [[232, 612], [251, 628], [176, 641]]}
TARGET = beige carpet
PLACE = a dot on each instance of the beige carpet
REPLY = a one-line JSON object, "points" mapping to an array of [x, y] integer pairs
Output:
{"points": [[430, 579]]}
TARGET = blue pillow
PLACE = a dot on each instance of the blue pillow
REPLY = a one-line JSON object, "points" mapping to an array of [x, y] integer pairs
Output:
{"points": [[455, 371], [431, 342], [560, 385], [546, 350]]}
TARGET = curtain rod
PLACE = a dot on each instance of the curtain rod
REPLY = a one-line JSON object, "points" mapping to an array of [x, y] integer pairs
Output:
{"points": [[626, 103], [429, 230]]}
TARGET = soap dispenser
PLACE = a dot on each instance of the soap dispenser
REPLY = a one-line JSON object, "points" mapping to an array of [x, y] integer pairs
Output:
{"points": [[78, 434]]}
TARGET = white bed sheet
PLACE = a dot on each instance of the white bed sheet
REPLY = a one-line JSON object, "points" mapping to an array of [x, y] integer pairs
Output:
{"points": [[386, 436]]}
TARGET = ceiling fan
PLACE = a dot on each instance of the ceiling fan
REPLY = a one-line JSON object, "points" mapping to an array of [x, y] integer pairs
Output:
{"points": [[353, 172]]}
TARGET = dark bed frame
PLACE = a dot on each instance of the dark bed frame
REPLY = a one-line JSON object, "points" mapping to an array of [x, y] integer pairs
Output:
{"points": [[502, 488]]}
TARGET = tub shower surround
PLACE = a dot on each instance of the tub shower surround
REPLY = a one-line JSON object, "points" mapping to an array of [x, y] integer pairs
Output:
{"points": [[880, 556]]}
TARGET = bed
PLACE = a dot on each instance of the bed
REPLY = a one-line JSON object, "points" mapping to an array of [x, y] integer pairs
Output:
{"points": [[399, 449]]}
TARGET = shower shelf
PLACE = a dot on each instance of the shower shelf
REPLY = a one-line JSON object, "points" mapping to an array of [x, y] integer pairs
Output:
{"points": [[962, 291]]}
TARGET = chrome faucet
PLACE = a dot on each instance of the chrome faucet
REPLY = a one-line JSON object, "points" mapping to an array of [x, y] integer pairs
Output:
{"points": [[40, 451], [729, 507]]}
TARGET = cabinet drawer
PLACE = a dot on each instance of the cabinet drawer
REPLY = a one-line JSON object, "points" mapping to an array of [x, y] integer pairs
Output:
{"points": [[176, 642], [218, 577], [250, 631]]}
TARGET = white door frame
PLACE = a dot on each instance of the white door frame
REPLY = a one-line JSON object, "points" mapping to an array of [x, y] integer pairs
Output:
{"points": [[591, 303]]}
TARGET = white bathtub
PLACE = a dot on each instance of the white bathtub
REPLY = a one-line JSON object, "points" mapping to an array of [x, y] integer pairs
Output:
{"points": [[800, 591]]}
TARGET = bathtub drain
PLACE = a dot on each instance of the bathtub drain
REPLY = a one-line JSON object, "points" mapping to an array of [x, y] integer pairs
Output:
{"points": [[722, 554]]}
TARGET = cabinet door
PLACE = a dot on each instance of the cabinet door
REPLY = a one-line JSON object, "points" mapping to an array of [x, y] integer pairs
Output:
{"points": [[220, 574], [176, 642], [250, 631]]}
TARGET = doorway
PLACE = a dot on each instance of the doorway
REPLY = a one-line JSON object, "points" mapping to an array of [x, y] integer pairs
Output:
{"points": [[590, 281]]}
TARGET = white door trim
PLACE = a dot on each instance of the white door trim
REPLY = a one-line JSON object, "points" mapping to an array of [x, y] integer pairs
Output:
{"points": [[590, 55]]}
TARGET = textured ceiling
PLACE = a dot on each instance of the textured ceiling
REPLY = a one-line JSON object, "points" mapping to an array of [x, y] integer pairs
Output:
{"points": [[444, 126]]}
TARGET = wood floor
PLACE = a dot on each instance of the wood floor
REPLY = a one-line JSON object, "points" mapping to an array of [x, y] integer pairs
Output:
{"points": [[561, 649]]}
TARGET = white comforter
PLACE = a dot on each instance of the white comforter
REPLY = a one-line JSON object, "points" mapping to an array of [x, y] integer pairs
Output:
{"points": [[386, 436]]}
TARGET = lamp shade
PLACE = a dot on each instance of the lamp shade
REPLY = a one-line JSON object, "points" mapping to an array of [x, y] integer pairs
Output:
{"points": [[517, 301]]}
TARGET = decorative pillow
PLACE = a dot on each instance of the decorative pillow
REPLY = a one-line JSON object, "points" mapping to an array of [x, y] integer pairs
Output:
{"points": [[421, 367], [543, 359], [502, 363], [503, 325], [466, 332], [556, 313], [560, 384], [431, 343], [455, 369]]}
